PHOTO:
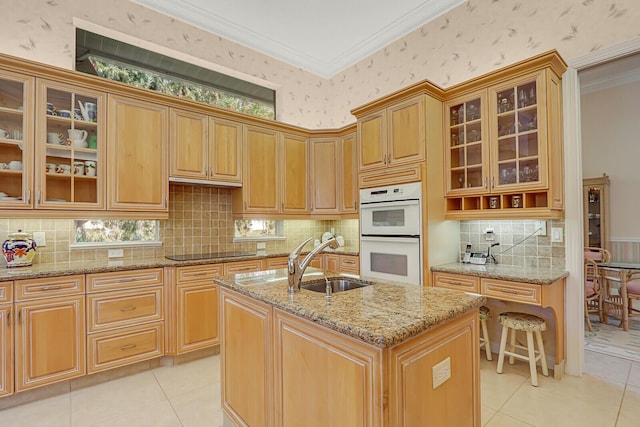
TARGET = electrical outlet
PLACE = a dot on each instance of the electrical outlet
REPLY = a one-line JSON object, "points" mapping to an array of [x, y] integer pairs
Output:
{"points": [[116, 253], [261, 245], [441, 372], [541, 228], [556, 235], [40, 239]]}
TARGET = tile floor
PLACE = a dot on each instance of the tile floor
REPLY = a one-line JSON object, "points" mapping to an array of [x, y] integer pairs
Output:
{"points": [[188, 395]]}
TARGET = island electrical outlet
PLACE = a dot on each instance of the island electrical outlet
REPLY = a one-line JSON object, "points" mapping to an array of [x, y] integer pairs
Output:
{"points": [[441, 372]]}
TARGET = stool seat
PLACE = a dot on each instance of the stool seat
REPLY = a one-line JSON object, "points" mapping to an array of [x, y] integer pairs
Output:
{"points": [[523, 322], [485, 313]]}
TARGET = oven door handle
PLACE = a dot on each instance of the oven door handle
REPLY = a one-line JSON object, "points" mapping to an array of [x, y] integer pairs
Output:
{"points": [[385, 204], [389, 239]]}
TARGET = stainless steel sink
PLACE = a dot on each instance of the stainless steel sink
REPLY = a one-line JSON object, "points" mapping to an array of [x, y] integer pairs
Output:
{"points": [[337, 285]]}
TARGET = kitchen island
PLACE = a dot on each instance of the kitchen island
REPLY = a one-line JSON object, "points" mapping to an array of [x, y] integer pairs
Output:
{"points": [[387, 354]]}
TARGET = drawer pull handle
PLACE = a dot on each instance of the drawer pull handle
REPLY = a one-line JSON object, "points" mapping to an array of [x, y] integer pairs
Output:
{"points": [[50, 288], [130, 279], [127, 347], [128, 308], [508, 291], [202, 273]]}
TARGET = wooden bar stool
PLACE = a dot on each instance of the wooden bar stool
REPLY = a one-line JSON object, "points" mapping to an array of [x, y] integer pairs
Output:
{"points": [[485, 343], [531, 325]]}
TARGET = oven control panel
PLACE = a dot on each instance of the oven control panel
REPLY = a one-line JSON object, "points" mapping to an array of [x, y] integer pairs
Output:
{"points": [[391, 193]]}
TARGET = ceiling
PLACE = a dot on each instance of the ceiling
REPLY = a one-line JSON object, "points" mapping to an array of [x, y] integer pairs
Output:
{"points": [[323, 37]]}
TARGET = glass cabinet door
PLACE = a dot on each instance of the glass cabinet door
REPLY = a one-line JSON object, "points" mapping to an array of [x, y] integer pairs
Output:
{"points": [[519, 136], [466, 141], [70, 145], [16, 140]]}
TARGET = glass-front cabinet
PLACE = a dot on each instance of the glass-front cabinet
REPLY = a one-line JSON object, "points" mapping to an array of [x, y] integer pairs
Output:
{"points": [[596, 211], [69, 147], [16, 140], [466, 142], [518, 134]]}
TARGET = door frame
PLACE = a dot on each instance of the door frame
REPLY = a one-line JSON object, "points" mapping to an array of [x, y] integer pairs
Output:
{"points": [[574, 235]]}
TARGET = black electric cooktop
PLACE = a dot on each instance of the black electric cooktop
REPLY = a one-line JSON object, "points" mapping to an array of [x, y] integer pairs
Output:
{"points": [[191, 257]]}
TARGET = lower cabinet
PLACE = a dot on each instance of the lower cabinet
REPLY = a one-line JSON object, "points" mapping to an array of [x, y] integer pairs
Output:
{"points": [[243, 267], [49, 331], [6, 338], [125, 318], [342, 263]]}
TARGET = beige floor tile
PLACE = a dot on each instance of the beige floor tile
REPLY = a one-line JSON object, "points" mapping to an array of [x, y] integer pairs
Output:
{"points": [[630, 410], [502, 420], [487, 413], [608, 368], [496, 389], [634, 376], [200, 407], [115, 398], [573, 401], [179, 379], [152, 415], [50, 412]]}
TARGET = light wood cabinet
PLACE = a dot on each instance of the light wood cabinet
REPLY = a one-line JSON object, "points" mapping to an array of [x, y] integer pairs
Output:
{"points": [[457, 282], [325, 157], [349, 264], [204, 148], [6, 338], [275, 173], [503, 144], [70, 147], [393, 136], [596, 211], [331, 262], [195, 310], [242, 266], [276, 263], [137, 156], [49, 332], [125, 319], [16, 140], [246, 361], [348, 174]]}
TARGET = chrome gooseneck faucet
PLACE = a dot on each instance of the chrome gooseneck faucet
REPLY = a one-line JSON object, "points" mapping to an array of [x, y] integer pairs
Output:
{"points": [[297, 268], [490, 257]]}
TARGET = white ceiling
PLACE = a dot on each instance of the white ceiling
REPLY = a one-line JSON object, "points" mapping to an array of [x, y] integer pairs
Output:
{"points": [[320, 36]]}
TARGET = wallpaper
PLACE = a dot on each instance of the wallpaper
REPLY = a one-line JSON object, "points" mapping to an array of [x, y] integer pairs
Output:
{"points": [[470, 40]]}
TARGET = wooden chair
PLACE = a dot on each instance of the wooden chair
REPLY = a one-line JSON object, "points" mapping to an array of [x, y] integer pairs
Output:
{"points": [[597, 254], [633, 292], [593, 295]]}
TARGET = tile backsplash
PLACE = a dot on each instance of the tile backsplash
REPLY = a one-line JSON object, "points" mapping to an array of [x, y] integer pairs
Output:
{"points": [[535, 251], [200, 221]]}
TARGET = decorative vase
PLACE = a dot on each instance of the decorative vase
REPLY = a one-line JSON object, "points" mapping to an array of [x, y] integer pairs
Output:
{"points": [[19, 249]]}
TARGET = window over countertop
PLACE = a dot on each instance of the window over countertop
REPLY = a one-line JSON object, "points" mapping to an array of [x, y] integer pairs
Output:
{"points": [[99, 233]]}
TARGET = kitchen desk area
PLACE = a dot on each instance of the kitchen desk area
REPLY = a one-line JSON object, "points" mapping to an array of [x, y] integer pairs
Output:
{"points": [[539, 287], [386, 354]]}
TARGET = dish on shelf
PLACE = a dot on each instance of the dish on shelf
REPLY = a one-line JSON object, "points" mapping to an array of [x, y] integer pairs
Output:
{"points": [[56, 200], [10, 198]]}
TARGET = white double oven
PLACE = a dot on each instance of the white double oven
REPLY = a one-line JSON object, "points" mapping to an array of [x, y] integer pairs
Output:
{"points": [[390, 233]]}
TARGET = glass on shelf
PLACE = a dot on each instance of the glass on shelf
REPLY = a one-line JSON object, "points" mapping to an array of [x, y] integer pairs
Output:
{"points": [[527, 120], [457, 135], [456, 114], [474, 132], [505, 101], [458, 179], [508, 173], [473, 110], [528, 171], [527, 95]]}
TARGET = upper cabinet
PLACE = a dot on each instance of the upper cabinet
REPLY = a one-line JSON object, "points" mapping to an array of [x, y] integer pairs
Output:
{"points": [[503, 143], [16, 140], [137, 156], [324, 155], [205, 149], [392, 136], [295, 174], [70, 146], [348, 174]]}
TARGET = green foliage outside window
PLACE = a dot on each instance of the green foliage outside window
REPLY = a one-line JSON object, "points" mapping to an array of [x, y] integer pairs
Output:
{"points": [[115, 230], [148, 79]]}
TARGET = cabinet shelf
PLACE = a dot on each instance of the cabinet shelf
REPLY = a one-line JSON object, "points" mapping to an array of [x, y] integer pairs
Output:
{"points": [[14, 111], [10, 172], [17, 142], [69, 121]]}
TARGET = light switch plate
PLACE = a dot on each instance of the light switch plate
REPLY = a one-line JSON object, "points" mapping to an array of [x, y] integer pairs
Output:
{"points": [[556, 235], [40, 238], [541, 228]]}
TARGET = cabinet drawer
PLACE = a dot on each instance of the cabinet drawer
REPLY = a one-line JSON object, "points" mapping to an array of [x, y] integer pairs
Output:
{"points": [[198, 273], [6, 292], [124, 279], [116, 309], [349, 264], [512, 291], [275, 263], [106, 350], [243, 267], [49, 287], [457, 282]]}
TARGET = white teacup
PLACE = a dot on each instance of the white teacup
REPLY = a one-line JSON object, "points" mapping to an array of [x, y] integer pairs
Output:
{"points": [[63, 169], [78, 137], [78, 168], [15, 165], [90, 168], [4, 133], [55, 138]]}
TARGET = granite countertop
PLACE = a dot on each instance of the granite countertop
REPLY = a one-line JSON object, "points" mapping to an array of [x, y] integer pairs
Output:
{"points": [[535, 276], [382, 314], [68, 268]]}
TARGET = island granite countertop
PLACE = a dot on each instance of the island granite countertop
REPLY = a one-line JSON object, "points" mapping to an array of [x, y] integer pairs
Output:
{"points": [[382, 314], [535, 276], [68, 268]]}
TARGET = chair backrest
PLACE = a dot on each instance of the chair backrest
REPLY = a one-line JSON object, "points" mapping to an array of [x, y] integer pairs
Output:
{"points": [[597, 254], [591, 274]]}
